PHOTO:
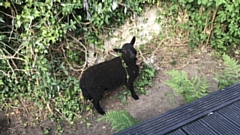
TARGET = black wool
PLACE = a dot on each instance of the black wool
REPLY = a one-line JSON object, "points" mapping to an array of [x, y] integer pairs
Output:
{"points": [[111, 74]]}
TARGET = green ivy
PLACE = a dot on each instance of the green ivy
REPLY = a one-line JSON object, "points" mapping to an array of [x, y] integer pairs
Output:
{"points": [[145, 78], [42, 49]]}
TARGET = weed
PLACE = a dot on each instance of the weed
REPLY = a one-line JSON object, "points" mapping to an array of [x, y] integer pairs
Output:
{"points": [[145, 79], [59, 129], [123, 95], [231, 73], [191, 89], [171, 98], [46, 131]]}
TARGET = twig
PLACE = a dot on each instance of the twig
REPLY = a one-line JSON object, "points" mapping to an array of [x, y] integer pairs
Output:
{"points": [[86, 23], [124, 5], [62, 115], [206, 26], [183, 65], [11, 69], [7, 14], [153, 53], [177, 45], [2, 57], [12, 29], [19, 48], [15, 9], [68, 61], [25, 108], [213, 18], [76, 19], [10, 48], [141, 54], [85, 63], [5, 74], [48, 106]]}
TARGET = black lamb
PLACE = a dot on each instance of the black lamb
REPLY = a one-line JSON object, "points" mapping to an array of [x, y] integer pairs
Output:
{"points": [[111, 74]]}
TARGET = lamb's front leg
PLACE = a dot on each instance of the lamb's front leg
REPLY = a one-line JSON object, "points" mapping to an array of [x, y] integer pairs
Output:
{"points": [[130, 87]]}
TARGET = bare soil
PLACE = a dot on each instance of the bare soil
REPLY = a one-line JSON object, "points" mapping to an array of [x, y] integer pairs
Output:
{"points": [[165, 56], [159, 99]]}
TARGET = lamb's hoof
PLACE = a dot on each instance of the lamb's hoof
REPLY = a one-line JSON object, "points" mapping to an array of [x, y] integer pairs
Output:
{"points": [[135, 97], [102, 113]]}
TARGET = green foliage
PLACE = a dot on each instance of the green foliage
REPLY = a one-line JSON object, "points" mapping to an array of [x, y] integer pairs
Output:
{"points": [[40, 56], [123, 95], [191, 89], [171, 98], [119, 120], [46, 131], [145, 79], [231, 73], [214, 22]]}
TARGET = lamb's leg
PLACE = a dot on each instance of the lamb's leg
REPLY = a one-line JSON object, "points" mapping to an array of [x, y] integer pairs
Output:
{"points": [[98, 107], [130, 87]]}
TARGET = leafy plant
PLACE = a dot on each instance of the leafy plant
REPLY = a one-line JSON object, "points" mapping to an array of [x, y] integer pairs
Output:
{"points": [[43, 49], [46, 131], [191, 89], [145, 79], [214, 23], [170, 98], [231, 73], [123, 95], [119, 120]]}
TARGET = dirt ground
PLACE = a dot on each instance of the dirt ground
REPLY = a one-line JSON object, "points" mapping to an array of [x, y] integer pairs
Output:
{"points": [[164, 57], [158, 100]]}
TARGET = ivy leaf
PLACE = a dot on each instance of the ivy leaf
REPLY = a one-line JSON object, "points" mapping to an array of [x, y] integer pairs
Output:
{"points": [[106, 19], [125, 10], [124, 100], [205, 2], [99, 8], [7, 4], [114, 5], [230, 8], [1, 20], [219, 2]]}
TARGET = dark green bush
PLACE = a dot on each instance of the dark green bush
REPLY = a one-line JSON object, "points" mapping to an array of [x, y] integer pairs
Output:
{"points": [[42, 49], [215, 22]]}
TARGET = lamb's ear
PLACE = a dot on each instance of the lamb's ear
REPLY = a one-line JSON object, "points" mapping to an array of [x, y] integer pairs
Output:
{"points": [[118, 50], [133, 41]]}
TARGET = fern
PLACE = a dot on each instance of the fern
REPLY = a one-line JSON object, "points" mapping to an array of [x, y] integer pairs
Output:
{"points": [[119, 120], [191, 89], [231, 73]]}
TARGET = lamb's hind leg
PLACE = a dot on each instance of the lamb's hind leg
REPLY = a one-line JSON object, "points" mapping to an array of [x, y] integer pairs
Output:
{"points": [[98, 107], [130, 87]]}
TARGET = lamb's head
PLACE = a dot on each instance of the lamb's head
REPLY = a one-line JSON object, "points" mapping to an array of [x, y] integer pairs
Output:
{"points": [[128, 52]]}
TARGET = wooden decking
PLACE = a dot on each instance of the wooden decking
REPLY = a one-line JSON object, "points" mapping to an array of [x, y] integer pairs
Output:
{"points": [[217, 113]]}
